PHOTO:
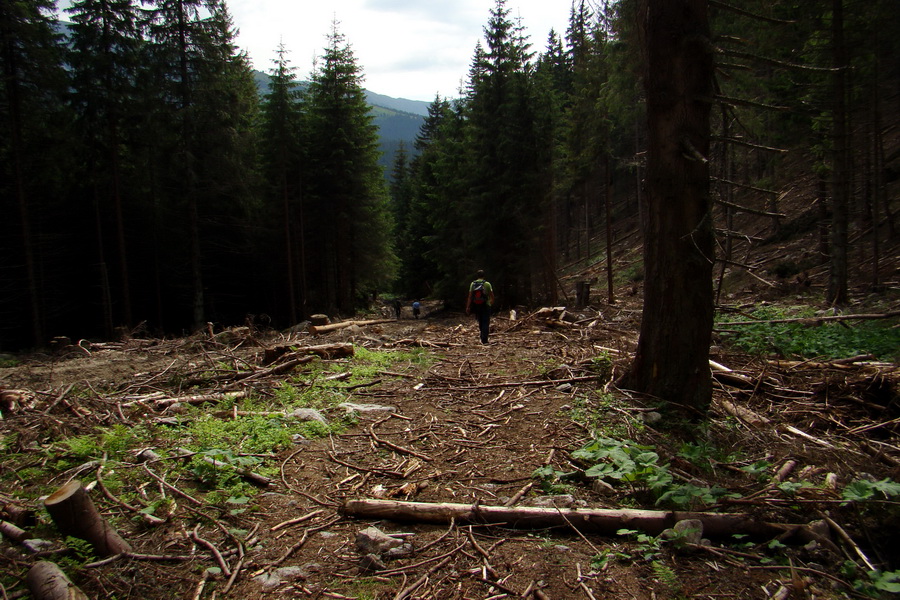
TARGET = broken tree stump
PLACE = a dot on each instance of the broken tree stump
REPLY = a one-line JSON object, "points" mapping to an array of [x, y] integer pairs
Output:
{"points": [[597, 520], [46, 581], [74, 514]]}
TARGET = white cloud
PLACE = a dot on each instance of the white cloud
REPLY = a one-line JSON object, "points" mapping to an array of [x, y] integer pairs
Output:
{"points": [[406, 48]]}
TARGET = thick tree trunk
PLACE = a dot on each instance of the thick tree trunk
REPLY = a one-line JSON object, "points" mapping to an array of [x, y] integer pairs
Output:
{"points": [[671, 362], [598, 520], [74, 514], [46, 581]]}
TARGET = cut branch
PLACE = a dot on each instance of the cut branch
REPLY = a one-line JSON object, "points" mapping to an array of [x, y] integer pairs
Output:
{"points": [[46, 581]]}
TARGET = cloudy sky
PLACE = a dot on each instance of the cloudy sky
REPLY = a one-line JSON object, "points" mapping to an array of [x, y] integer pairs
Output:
{"points": [[411, 49]]}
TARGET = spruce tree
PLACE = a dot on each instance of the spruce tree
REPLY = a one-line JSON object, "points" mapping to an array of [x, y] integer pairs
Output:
{"points": [[32, 120], [206, 113], [349, 218], [105, 42], [501, 138], [281, 150]]}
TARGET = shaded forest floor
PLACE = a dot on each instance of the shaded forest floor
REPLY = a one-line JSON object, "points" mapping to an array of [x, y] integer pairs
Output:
{"points": [[437, 417]]}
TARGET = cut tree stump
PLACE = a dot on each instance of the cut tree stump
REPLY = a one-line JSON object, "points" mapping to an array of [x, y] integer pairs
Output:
{"points": [[74, 514], [46, 581], [602, 521]]}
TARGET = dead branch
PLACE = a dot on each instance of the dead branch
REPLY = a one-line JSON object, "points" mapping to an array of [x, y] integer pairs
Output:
{"points": [[746, 144], [775, 62], [487, 386], [395, 447], [814, 320], [746, 13], [604, 521], [746, 209]]}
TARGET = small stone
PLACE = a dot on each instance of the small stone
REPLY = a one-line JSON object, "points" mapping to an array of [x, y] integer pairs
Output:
{"points": [[402, 551], [308, 414], [366, 408], [652, 418], [689, 531]]}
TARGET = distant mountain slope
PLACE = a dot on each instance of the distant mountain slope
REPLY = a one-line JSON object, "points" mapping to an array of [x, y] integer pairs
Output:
{"points": [[398, 119], [416, 107]]}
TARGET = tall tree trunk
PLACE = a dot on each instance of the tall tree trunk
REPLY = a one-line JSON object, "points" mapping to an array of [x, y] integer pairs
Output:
{"points": [[672, 358], [840, 201], [11, 74], [611, 297]]}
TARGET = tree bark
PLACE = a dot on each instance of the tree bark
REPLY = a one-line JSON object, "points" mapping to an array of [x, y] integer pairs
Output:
{"points": [[840, 197], [46, 581], [75, 515], [671, 362], [603, 521]]}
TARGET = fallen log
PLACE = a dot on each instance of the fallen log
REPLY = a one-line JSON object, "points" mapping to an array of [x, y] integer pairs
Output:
{"points": [[74, 514], [317, 329], [597, 520], [46, 581], [274, 353]]}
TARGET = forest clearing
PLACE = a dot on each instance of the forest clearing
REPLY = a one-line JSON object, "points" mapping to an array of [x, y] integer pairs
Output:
{"points": [[246, 464], [717, 418]]}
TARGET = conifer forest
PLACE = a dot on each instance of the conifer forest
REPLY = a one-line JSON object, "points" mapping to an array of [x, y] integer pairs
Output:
{"points": [[146, 182]]}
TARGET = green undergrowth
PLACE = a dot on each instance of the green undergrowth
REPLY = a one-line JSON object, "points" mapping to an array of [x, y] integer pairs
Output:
{"points": [[813, 339], [211, 448]]}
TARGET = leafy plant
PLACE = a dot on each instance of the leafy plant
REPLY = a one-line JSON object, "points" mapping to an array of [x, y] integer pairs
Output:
{"points": [[872, 583], [759, 469], [692, 496], [625, 462], [551, 480], [829, 340], [647, 546], [863, 489]]}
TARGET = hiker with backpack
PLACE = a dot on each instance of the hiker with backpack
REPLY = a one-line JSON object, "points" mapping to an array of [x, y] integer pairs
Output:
{"points": [[479, 300]]}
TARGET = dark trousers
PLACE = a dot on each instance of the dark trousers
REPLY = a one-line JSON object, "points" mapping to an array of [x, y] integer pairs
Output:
{"points": [[483, 314]]}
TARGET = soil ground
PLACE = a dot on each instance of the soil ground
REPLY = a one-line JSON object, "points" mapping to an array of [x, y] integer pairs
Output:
{"points": [[469, 425]]}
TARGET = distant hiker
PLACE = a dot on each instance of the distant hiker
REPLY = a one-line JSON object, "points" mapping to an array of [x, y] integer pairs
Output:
{"points": [[417, 308], [397, 308], [479, 300]]}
